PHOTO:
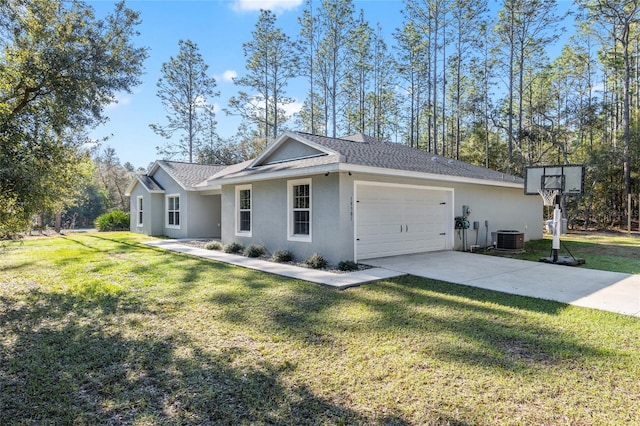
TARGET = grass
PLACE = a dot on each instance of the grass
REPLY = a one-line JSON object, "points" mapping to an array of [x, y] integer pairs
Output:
{"points": [[604, 251], [97, 329]]}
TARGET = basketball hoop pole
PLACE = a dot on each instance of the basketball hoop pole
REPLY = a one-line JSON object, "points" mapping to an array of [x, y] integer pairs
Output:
{"points": [[555, 245], [552, 183]]}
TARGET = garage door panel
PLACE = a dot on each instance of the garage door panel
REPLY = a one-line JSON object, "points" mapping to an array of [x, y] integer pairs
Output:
{"points": [[399, 220]]}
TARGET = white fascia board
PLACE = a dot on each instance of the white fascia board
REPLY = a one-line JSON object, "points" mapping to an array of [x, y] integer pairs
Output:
{"points": [[280, 174], [129, 190], [134, 182], [355, 168], [282, 139]]}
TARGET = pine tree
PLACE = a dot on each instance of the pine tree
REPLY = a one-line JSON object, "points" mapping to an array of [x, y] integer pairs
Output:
{"points": [[271, 63], [186, 91]]}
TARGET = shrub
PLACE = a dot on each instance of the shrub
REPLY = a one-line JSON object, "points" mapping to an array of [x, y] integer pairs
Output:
{"points": [[347, 265], [213, 245], [115, 220], [282, 256], [255, 251], [233, 248], [316, 261]]}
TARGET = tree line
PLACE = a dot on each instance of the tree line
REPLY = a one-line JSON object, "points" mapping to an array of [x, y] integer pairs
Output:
{"points": [[459, 80], [455, 79]]}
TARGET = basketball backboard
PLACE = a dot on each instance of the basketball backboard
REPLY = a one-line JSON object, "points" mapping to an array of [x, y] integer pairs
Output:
{"points": [[569, 179]]}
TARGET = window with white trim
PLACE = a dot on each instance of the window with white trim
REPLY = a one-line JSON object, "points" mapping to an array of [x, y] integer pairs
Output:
{"points": [[243, 210], [173, 211], [299, 203], [139, 210]]}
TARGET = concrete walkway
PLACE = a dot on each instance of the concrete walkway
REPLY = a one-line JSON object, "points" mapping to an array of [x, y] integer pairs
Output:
{"points": [[332, 279], [607, 291]]}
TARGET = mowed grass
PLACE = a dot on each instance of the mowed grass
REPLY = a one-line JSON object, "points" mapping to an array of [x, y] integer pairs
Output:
{"points": [[605, 251], [99, 329]]}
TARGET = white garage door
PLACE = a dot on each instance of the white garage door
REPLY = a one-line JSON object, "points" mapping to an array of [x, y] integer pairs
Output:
{"points": [[392, 220]]}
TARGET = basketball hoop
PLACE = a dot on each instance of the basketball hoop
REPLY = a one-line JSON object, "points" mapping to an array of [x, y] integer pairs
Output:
{"points": [[548, 196]]}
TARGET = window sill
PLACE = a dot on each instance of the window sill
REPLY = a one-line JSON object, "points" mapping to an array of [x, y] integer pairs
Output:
{"points": [[300, 238]]}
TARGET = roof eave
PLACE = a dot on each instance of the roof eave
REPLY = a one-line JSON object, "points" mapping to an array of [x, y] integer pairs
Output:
{"points": [[357, 168], [280, 174], [135, 181]]}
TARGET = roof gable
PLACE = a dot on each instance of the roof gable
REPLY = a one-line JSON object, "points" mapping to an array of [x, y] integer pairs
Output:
{"points": [[148, 182], [187, 175], [290, 150], [290, 146]]}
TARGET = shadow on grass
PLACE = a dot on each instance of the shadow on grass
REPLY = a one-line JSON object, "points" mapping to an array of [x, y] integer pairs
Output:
{"points": [[65, 360], [471, 326]]}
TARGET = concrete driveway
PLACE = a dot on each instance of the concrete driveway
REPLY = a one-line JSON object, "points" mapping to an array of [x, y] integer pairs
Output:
{"points": [[608, 291]]}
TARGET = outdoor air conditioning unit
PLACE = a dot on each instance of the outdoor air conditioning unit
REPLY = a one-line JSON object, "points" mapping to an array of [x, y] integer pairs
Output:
{"points": [[509, 240]]}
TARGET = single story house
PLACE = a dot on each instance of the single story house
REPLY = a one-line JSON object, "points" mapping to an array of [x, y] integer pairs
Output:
{"points": [[349, 198]]}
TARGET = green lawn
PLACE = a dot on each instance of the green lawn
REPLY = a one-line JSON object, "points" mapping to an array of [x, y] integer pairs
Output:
{"points": [[605, 251], [96, 328]]}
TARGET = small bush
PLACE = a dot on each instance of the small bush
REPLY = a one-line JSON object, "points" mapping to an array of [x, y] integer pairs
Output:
{"points": [[316, 262], [255, 251], [347, 265], [115, 220], [233, 248], [282, 256], [213, 245]]}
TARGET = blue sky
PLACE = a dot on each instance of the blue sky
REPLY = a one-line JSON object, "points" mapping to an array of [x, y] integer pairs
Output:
{"points": [[219, 28]]}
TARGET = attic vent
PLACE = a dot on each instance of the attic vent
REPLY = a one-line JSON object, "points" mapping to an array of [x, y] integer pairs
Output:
{"points": [[434, 158], [450, 161]]}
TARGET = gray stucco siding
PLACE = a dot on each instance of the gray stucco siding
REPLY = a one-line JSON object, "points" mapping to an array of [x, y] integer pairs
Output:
{"points": [[502, 207], [152, 205], [172, 188], [270, 216], [203, 215], [140, 191], [291, 150], [333, 209]]}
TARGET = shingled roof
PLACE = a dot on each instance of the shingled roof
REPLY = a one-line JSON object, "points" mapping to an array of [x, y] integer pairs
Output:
{"points": [[361, 150], [391, 155], [150, 183], [189, 174]]}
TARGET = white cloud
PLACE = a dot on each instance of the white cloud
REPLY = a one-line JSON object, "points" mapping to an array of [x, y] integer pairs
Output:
{"points": [[229, 75], [119, 100], [292, 108], [275, 6], [200, 101]]}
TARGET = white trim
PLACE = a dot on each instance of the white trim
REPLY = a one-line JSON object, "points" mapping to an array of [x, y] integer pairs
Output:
{"points": [[286, 160], [179, 210], [290, 235], [449, 240], [135, 181], [354, 168], [240, 233], [280, 174], [282, 139], [158, 164], [139, 211]]}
